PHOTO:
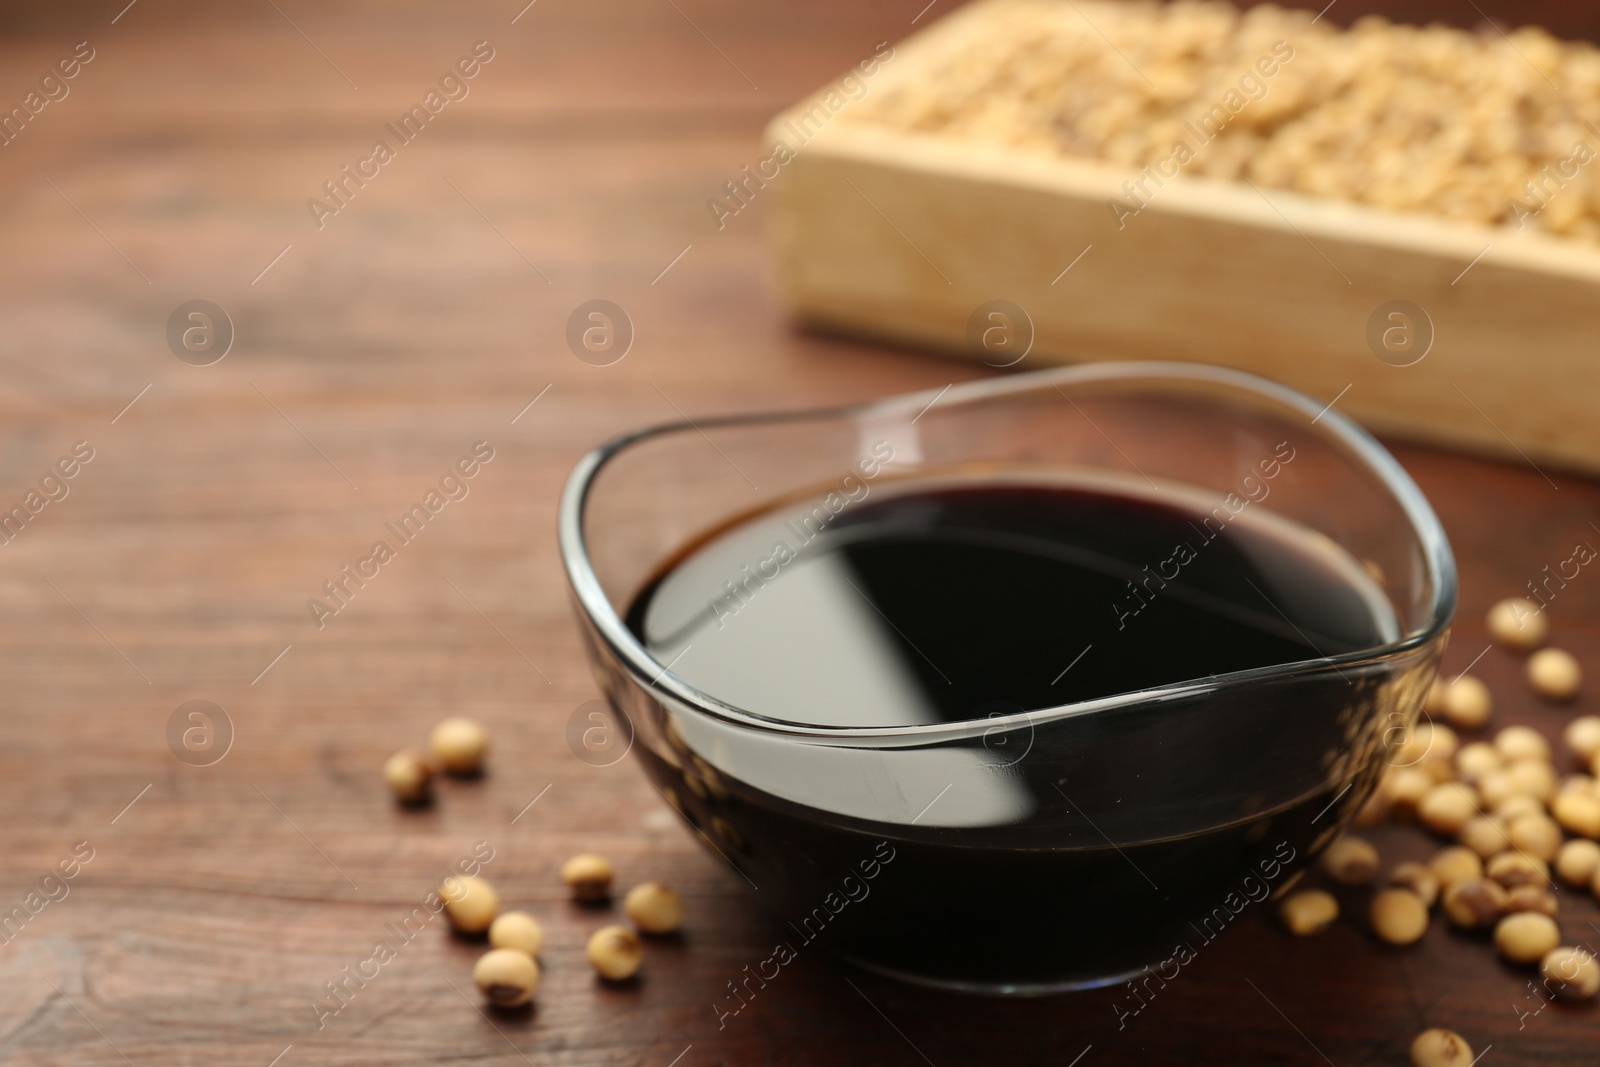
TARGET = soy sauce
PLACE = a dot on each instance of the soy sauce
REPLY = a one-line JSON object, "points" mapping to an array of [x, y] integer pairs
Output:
{"points": [[1052, 850]]}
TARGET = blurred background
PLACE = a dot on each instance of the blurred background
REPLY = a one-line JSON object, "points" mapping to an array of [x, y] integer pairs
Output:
{"points": [[365, 356]]}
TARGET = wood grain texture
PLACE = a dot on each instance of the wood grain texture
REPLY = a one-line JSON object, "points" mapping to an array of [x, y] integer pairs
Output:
{"points": [[375, 352]]}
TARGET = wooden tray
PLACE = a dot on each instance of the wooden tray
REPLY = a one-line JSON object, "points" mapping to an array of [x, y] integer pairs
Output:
{"points": [[911, 237]]}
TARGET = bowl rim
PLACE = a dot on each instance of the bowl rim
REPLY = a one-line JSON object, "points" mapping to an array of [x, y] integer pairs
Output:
{"points": [[602, 615]]}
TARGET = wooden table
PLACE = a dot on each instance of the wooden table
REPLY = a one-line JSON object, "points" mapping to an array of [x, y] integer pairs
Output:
{"points": [[370, 355]]}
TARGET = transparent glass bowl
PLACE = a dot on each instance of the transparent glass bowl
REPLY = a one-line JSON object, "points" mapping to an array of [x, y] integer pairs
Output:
{"points": [[1094, 840]]}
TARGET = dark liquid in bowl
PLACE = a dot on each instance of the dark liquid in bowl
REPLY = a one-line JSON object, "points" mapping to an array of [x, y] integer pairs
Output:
{"points": [[1039, 855]]}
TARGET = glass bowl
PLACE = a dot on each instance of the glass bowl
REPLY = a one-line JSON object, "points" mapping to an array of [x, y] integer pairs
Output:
{"points": [[1023, 849]]}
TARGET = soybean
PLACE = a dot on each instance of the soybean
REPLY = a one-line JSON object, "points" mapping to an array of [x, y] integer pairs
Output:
{"points": [[1577, 783], [1405, 787], [1426, 741], [1577, 862], [1475, 903], [459, 745], [1308, 911], [1554, 674], [654, 908], [1583, 736], [1517, 805], [409, 776], [1398, 916], [1512, 869], [1456, 864], [1522, 742], [1518, 624], [1448, 807], [588, 876], [1467, 703], [1426, 119], [1531, 898], [1477, 759], [1350, 861], [1526, 936], [1536, 835], [1485, 835], [1417, 877], [469, 903], [507, 977], [1440, 1048], [1495, 788], [518, 930], [615, 952], [1570, 973], [1533, 776], [1578, 812]]}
